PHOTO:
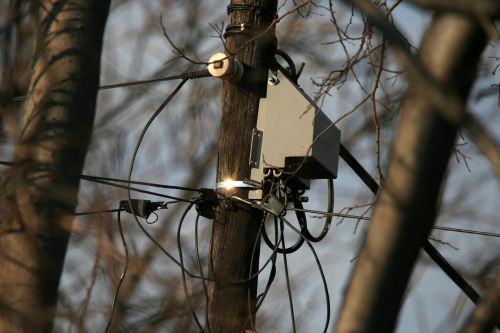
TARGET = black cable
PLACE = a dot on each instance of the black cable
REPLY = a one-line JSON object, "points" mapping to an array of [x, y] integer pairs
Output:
{"points": [[203, 280], [131, 168], [164, 251], [6, 163], [99, 212], [256, 274], [261, 269], [451, 272], [143, 133], [292, 70], [140, 82], [320, 268], [358, 169], [252, 257], [328, 219], [467, 231], [135, 182], [272, 273], [183, 76], [137, 190], [122, 277], [300, 216], [455, 276], [435, 227], [287, 278], [181, 259]]}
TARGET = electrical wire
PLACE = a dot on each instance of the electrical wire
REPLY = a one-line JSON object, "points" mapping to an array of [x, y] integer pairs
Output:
{"points": [[131, 169], [99, 212], [140, 82], [166, 253], [272, 274], [181, 259], [143, 133], [452, 273], [319, 212], [435, 227], [203, 281], [320, 268], [328, 218], [287, 278], [138, 190], [185, 75], [275, 249], [467, 231], [300, 216], [291, 72], [122, 277], [104, 182], [135, 182], [249, 291]]}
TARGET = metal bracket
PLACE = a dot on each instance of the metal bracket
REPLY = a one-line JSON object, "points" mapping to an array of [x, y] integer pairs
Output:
{"points": [[273, 205], [256, 148]]}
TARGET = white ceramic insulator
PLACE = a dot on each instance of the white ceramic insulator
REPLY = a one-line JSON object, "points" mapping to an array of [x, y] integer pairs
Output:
{"points": [[224, 67]]}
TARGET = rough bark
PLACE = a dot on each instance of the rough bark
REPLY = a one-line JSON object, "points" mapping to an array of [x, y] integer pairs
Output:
{"points": [[406, 206], [486, 315], [40, 193], [235, 232]]}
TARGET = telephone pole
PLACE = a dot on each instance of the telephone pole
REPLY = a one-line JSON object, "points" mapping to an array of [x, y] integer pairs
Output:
{"points": [[249, 38]]}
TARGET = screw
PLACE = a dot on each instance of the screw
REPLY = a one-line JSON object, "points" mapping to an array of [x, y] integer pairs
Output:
{"points": [[219, 64], [273, 80]]}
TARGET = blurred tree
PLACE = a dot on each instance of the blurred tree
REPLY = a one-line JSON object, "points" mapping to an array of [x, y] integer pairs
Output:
{"points": [[40, 191]]}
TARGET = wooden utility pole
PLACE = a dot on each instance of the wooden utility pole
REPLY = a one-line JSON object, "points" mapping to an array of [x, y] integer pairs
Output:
{"points": [[39, 196], [251, 40]]}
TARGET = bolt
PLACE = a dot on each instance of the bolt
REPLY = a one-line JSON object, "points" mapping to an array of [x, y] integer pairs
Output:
{"points": [[273, 80]]}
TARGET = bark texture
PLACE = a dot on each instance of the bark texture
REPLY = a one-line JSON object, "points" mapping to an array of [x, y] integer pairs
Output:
{"points": [[40, 192], [407, 204], [235, 232], [486, 315]]}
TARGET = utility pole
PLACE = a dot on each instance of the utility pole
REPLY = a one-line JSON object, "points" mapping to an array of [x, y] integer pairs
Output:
{"points": [[235, 232]]}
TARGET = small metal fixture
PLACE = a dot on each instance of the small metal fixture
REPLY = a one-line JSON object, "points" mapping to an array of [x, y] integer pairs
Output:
{"points": [[230, 184], [225, 67]]}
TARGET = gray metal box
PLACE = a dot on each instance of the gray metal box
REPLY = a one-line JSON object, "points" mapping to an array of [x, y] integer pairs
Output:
{"points": [[293, 134]]}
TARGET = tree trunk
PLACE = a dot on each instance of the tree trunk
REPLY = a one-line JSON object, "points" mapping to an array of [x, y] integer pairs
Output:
{"points": [[235, 231], [406, 207], [486, 315], [40, 193]]}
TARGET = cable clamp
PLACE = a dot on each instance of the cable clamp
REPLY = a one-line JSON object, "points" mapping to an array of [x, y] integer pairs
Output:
{"points": [[205, 205], [141, 208], [271, 205], [235, 184]]}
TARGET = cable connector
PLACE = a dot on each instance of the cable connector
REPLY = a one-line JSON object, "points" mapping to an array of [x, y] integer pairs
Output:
{"points": [[273, 205], [142, 208], [205, 205], [225, 67]]}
